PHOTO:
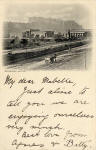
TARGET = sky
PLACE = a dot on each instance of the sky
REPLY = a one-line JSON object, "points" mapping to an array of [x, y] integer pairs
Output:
{"points": [[76, 12]]}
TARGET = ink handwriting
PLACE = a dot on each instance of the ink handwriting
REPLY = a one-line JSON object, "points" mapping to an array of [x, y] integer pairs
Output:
{"points": [[48, 111]]}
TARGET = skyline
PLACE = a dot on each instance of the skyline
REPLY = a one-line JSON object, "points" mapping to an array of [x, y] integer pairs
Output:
{"points": [[65, 12]]}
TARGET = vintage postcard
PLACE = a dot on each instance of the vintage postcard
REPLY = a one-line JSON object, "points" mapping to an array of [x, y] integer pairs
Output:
{"points": [[48, 69]]}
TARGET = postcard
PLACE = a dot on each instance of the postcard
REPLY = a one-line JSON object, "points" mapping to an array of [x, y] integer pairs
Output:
{"points": [[48, 69]]}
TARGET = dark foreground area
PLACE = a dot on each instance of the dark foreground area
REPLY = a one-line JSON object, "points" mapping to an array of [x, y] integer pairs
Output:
{"points": [[15, 56], [79, 58]]}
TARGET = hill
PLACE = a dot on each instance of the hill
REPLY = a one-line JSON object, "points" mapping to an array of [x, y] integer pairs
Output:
{"points": [[43, 24]]}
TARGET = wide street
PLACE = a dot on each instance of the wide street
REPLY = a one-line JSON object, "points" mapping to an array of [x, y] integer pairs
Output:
{"points": [[78, 59]]}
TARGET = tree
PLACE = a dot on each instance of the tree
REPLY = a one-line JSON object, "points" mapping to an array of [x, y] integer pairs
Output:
{"points": [[24, 42]]}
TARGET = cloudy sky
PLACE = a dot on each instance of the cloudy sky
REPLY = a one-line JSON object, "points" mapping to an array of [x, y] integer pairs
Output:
{"points": [[21, 13]]}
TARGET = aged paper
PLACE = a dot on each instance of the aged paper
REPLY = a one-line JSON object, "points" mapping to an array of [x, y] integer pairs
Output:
{"points": [[47, 68]]}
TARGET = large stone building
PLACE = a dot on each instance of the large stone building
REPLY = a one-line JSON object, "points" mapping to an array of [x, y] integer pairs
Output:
{"points": [[79, 34], [31, 33]]}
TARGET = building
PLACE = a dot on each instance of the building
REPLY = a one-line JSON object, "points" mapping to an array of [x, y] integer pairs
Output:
{"points": [[49, 34], [79, 34], [32, 33]]}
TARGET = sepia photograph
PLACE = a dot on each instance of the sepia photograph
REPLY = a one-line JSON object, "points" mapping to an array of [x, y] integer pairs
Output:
{"points": [[47, 36], [48, 75]]}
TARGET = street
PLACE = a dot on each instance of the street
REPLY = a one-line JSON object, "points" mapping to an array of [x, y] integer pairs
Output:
{"points": [[77, 59]]}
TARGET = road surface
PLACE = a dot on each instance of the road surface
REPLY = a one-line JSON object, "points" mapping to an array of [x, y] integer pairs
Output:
{"points": [[77, 59]]}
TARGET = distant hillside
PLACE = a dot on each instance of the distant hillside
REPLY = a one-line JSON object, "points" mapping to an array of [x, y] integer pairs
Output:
{"points": [[43, 24], [15, 28], [53, 24]]}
